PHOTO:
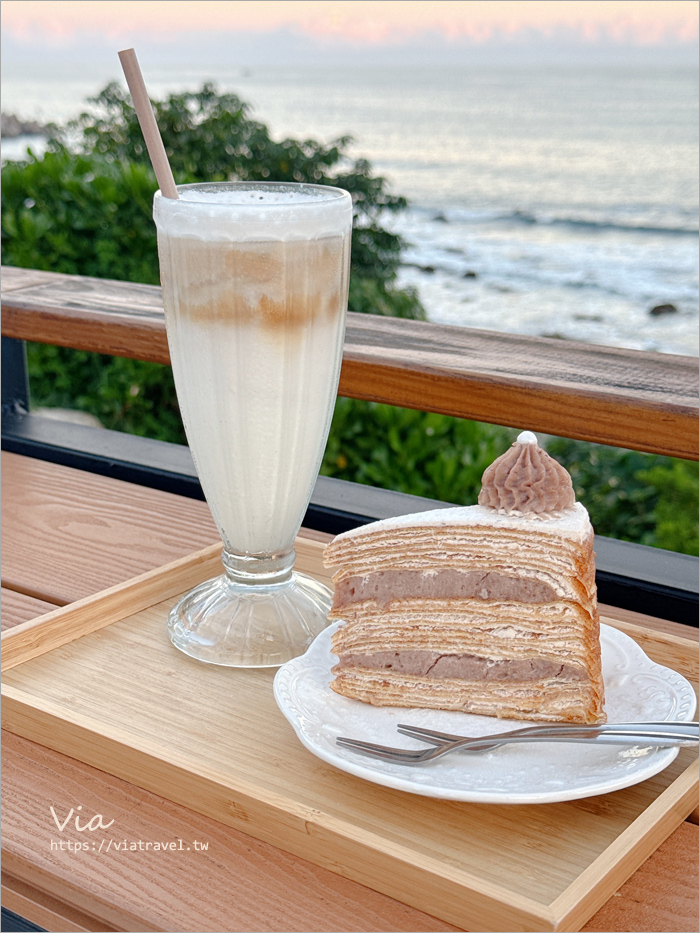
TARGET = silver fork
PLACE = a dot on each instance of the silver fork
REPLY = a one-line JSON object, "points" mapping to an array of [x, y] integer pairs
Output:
{"points": [[441, 738], [657, 733]]}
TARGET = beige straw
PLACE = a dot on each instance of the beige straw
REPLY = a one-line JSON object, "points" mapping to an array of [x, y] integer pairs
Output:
{"points": [[147, 120]]}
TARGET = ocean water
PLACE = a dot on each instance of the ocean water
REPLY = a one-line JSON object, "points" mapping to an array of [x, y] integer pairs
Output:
{"points": [[547, 201]]}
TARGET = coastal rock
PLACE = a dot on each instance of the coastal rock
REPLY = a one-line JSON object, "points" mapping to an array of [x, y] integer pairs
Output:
{"points": [[11, 127], [469, 274], [658, 310]]}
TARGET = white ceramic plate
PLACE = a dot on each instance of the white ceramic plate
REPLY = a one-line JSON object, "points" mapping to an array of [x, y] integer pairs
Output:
{"points": [[636, 689]]}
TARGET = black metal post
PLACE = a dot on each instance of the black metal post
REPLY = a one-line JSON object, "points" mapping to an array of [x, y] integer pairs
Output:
{"points": [[15, 381]]}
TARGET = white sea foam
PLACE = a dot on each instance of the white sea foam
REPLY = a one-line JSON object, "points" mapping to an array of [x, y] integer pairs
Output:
{"points": [[591, 284]]}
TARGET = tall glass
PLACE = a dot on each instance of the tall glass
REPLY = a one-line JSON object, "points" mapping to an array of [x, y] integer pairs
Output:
{"points": [[255, 284]]}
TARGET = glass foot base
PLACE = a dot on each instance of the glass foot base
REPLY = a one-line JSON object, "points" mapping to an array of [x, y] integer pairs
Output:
{"points": [[239, 625]]}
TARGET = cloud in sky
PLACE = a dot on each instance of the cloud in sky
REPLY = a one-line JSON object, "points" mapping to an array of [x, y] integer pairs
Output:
{"points": [[644, 21], [318, 31]]}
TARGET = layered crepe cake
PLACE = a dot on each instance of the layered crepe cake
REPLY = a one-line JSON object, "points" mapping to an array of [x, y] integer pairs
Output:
{"points": [[489, 609]]}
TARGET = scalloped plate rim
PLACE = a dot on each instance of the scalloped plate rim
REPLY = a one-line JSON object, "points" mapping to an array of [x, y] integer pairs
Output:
{"points": [[656, 762]]}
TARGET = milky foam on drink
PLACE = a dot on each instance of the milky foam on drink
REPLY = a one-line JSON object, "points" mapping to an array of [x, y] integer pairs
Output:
{"points": [[247, 212]]}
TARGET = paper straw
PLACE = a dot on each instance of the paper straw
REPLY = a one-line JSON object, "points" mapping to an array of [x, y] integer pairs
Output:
{"points": [[147, 120]]}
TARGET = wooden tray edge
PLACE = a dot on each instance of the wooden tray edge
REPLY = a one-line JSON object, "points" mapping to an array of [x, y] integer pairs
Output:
{"points": [[307, 833], [37, 636], [597, 883]]}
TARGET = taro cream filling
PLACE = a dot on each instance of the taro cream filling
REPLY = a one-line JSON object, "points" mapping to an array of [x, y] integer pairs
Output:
{"points": [[388, 585], [468, 667]]}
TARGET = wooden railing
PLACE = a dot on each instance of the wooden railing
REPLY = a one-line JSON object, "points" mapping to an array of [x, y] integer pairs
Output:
{"points": [[625, 398]]}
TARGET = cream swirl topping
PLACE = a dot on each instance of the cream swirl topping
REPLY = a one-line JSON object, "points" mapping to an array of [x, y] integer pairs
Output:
{"points": [[526, 480]]}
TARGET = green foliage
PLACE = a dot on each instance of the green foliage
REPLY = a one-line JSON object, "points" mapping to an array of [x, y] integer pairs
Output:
{"points": [[676, 504], [81, 215], [369, 296], [411, 451], [634, 496], [210, 136], [89, 212], [126, 395]]}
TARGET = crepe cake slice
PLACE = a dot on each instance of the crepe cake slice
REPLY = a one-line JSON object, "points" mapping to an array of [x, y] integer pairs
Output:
{"points": [[489, 609]]}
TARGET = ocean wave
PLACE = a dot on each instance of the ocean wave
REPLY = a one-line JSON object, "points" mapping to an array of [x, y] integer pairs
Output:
{"points": [[463, 262], [611, 225], [530, 218]]}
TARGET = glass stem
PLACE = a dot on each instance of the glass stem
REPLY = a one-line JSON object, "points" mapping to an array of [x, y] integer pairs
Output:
{"points": [[258, 569]]}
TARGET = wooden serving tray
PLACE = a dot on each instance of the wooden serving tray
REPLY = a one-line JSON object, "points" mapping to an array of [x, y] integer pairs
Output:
{"points": [[99, 680]]}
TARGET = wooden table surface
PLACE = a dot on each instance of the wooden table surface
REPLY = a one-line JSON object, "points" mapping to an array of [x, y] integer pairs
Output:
{"points": [[68, 534]]}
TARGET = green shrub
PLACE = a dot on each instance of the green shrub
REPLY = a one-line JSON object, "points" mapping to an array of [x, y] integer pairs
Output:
{"points": [[86, 210], [411, 451], [634, 496], [81, 215], [210, 136], [676, 504], [126, 395], [90, 213]]}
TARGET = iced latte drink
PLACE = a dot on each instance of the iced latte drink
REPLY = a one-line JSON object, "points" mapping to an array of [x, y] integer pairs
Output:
{"points": [[255, 280]]}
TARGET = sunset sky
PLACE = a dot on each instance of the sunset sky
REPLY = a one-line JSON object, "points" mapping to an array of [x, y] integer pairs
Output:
{"points": [[361, 21]]}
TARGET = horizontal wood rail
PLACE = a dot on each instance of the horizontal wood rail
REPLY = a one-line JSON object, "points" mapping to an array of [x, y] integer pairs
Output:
{"points": [[624, 398]]}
